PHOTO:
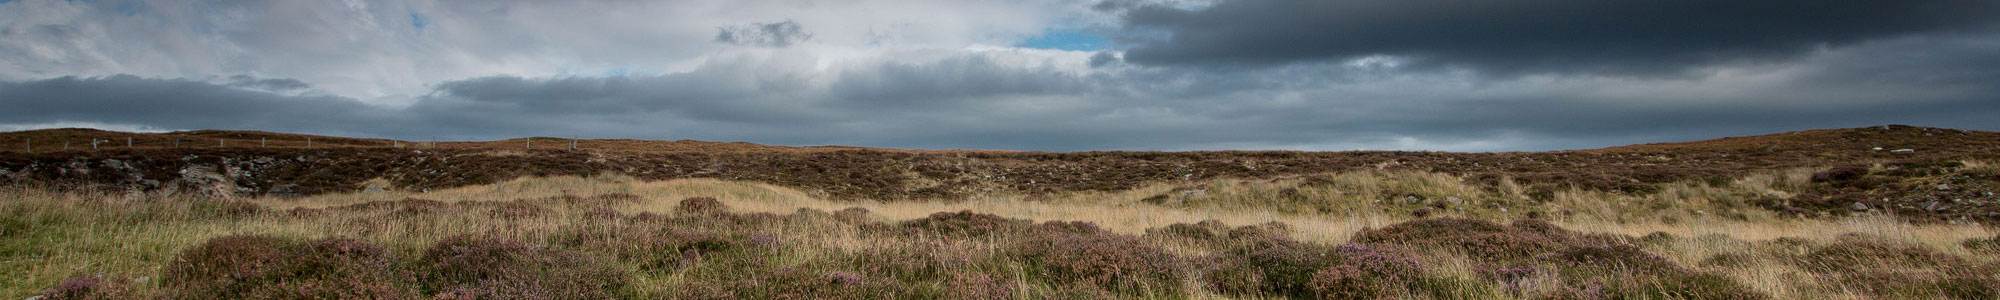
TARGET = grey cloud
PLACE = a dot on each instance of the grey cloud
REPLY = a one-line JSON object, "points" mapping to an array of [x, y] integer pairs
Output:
{"points": [[780, 34], [1626, 37], [1103, 59], [182, 104], [268, 84], [974, 100], [956, 81]]}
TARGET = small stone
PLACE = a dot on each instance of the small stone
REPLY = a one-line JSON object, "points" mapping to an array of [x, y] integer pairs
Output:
{"points": [[1943, 187], [1858, 206], [372, 189], [141, 279], [1903, 151], [1455, 200], [36, 297], [1413, 199]]}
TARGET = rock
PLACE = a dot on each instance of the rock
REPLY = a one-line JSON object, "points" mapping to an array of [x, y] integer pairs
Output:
{"points": [[1943, 187], [36, 297], [1932, 206], [1454, 200], [283, 190], [1906, 150], [1191, 193], [1875, 149], [1858, 206], [141, 279], [1413, 199], [371, 189], [199, 181]]}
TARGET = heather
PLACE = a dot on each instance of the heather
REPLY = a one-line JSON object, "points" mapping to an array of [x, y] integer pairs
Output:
{"points": [[1330, 236]]}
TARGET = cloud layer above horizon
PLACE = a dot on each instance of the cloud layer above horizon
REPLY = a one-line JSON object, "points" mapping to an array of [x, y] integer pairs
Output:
{"points": [[1029, 75]]}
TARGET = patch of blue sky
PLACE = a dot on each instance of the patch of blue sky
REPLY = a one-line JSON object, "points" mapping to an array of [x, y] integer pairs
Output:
{"points": [[419, 21], [1065, 39], [129, 8]]}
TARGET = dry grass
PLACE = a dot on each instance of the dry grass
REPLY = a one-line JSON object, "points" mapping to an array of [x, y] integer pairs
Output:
{"points": [[48, 236]]}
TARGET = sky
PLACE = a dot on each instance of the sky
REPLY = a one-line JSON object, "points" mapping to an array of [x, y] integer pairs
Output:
{"points": [[1056, 75]]}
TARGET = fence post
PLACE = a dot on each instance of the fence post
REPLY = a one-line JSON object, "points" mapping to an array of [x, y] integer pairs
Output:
{"points": [[218, 143], [128, 142], [309, 142], [261, 143], [572, 144], [531, 143], [31, 145], [177, 142]]}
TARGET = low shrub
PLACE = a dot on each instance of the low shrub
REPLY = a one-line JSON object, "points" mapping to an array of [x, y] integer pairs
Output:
{"points": [[1483, 240], [700, 205], [853, 215], [1117, 263], [473, 267], [965, 224], [84, 287], [1842, 173], [792, 283], [1293, 269], [262, 267]]}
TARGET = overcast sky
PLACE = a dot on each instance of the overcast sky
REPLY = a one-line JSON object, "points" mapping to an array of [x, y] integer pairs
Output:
{"points": [[1062, 75]]}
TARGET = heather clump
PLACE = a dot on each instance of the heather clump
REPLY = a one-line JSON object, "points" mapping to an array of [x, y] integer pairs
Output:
{"points": [[262, 267], [965, 224], [226, 266], [1483, 240], [87, 287], [1116, 263], [1204, 231], [700, 205], [1280, 266], [853, 215], [473, 267], [1580, 262], [797, 282], [1841, 173]]}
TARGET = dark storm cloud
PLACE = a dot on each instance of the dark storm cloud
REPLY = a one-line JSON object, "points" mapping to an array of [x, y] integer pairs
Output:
{"points": [[780, 34], [1626, 37]]}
